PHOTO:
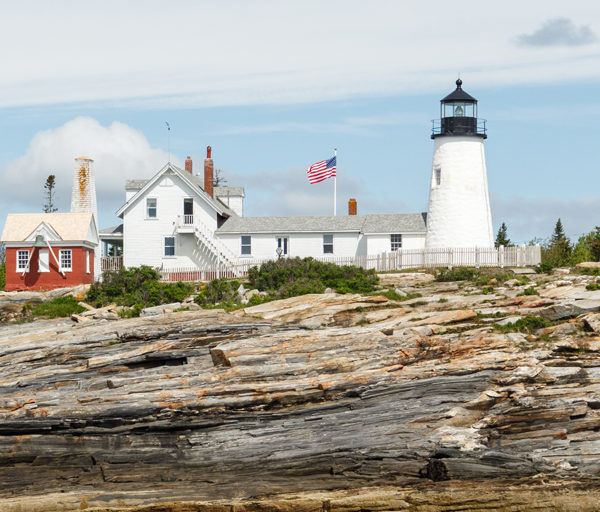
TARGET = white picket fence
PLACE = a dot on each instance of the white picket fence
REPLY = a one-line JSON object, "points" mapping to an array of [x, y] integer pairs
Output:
{"points": [[522, 256]]}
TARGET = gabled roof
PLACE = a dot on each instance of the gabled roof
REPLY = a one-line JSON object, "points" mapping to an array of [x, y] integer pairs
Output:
{"points": [[372, 223], [185, 176], [70, 227]]}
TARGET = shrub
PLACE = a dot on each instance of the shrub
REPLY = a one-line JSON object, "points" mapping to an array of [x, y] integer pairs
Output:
{"points": [[138, 287], [55, 308], [455, 274], [545, 267], [593, 286], [218, 291], [295, 276], [2, 276]]}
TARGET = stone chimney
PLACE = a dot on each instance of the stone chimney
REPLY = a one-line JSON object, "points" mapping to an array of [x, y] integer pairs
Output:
{"points": [[188, 165], [208, 173], [352, 206]]}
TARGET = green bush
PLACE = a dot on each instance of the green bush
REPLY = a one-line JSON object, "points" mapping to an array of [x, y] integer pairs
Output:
{"points": [[55, 308], [593, 286], [137, 287], [2, 276], [455, 274], [545, 267], [289, 277], [218, 291]]}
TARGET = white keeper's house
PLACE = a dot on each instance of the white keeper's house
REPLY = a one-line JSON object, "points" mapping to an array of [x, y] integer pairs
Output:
{"points": [[179, 220]]}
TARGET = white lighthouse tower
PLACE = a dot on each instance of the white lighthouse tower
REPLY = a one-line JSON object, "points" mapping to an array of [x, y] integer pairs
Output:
{"points": [[459, 208]]}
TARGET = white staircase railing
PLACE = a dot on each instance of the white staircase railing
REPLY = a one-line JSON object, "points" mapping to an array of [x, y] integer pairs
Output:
{"points": [[206, 239]]}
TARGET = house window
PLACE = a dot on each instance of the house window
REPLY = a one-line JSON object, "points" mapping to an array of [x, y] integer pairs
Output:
{"points": [[66, 260], [246, 244], [396, 241], [43, 261], [327, 244], [151, 208], [169, 246], [282, 243], [87, 261], [22, 260]]}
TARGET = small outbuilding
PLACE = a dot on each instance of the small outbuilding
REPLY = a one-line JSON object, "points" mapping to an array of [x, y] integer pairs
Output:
{"points": [[49, 250]]}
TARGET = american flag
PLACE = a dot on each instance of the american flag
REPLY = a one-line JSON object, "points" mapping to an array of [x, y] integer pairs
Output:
{"points": [[321, 171]]}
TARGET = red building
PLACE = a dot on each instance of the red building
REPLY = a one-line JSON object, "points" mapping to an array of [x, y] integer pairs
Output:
{"points": [[49, 250]]}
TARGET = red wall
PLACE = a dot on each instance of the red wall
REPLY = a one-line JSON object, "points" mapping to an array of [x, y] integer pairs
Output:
{"points": [[34, 280]]}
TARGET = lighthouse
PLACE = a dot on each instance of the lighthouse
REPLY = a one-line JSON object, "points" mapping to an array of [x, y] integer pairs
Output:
{"points": [[459, 208]]}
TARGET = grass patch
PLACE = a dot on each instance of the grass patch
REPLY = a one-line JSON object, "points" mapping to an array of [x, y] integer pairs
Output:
{"points": [[593, 286], [55, 308], [528, 291], [418, 303], [528, 324]]}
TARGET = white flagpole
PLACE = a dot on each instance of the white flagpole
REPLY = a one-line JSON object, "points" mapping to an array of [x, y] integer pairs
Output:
{"points": [[334, 181]]}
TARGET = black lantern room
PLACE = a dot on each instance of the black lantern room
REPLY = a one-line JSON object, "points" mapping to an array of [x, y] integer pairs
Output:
{"points": [[458, 115]]}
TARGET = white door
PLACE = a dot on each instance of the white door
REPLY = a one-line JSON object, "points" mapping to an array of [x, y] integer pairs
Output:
{"points": [[44, 261]]}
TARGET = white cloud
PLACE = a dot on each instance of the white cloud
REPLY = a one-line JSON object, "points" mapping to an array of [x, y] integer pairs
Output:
{"points": [[187, 53], [119, 152]]}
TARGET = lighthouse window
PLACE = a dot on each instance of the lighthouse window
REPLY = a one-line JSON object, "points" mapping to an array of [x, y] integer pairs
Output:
{"points": [[396, 241], [438, 176]]}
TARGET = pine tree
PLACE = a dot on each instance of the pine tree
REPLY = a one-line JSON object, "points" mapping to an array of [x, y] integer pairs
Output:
{"points": [[558, 250], [49, 186], [502, 237]]}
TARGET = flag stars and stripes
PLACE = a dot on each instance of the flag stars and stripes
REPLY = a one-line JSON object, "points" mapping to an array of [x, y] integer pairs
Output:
{"points": [[321, 171]]}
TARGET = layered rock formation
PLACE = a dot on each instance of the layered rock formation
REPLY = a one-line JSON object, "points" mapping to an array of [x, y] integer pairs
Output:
{"points": [[322, 402]]}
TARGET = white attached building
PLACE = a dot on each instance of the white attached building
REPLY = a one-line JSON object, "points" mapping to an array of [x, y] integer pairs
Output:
{"points": [[170, 221]]}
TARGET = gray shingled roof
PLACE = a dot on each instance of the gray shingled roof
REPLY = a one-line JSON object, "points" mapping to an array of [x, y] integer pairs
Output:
{"points": [[135, 184], [229, 191], [395, 223], [372, 223]]}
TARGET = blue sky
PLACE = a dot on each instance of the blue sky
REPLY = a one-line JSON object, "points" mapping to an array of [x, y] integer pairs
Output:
{"points": [[274, 86]]}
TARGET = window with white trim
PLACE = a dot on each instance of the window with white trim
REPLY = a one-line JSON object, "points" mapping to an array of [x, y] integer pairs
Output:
{"points": [[396, 242], [327, 244], [246, 245], [151, 207], [169, 246], [66, 260], [22, 260], [282, 243]]}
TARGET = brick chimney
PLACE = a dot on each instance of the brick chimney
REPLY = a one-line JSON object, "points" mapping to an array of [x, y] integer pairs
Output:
{"points": [[352, 206], [188, 165], [208, 173]]}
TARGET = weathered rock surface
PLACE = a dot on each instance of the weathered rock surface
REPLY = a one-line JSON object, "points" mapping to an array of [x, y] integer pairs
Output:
{"points": [[380, 405]]}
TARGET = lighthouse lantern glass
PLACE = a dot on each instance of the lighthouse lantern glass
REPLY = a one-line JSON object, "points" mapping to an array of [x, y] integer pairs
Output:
{"points": [[459, 109]]}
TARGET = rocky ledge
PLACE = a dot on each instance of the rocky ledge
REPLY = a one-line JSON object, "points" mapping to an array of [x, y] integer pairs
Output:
{"points": [[321, 402]]}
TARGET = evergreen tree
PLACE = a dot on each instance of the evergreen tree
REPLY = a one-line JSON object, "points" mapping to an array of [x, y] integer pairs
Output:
{"points": [[558, 250], [594, 244], [49, 186], [502, 237]]}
